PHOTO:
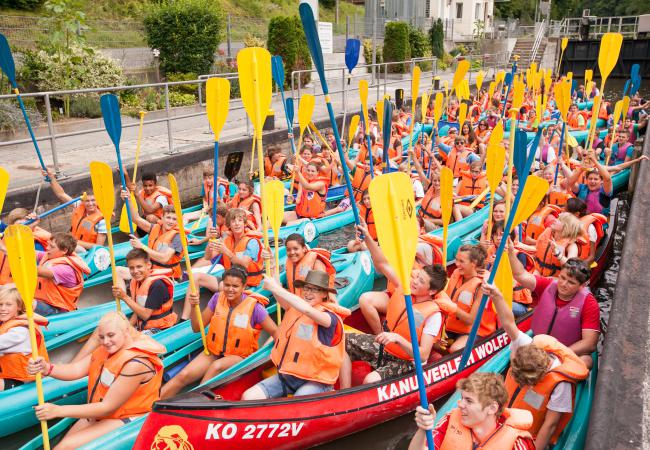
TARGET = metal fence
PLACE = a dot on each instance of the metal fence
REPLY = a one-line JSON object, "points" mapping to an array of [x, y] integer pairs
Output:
{"points": [[573, 27], [337, 79]]}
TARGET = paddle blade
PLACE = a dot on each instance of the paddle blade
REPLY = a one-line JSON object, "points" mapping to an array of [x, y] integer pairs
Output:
{"points": [[4, 185], [288, 104], [437, 107], [273, 204], [254, 68], [176, 201], [415, 85], [424, 104], [571, 140], [534, 191], [493, 85], [124, 217], [217, 100], [496, 137], [461, 71], [397, 229], [635, 76], [625, 106], [313, 41], [101, 177], [520, 153], [618, 107], [562, 91], [495, 160], [446, 194], [565, 42], [518, 94], [589, 74], [508, 79], [352, 128], [379, 107], [22, 261], [480, 76], [7, 60], [112, 119], [277, 70], [503, 280], [594, 114], [363, 96], [500, 77], [462, 113], [610, 48], [352, 47], [305, 110]]}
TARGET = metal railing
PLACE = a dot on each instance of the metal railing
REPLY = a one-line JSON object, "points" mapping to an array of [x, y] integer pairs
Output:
{"points": [[539, 37], [628, 26]]}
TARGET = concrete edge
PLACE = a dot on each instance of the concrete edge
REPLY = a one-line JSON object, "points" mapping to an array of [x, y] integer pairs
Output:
{"points": [[619, 420]]}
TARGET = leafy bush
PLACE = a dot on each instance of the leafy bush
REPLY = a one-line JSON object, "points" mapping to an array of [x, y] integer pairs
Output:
{"points": [[27, 5], [367, 53], [187, 33], [418, 43], [459, 50], [253, 41], [179, 99], [396, 45], [11, 117], [75, 69], [85, 106], [183, 88], [437, 39], [287, 39]]}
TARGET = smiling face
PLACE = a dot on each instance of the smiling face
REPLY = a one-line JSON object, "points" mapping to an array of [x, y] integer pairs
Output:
{"points": [[420, 283], [139, 268], [90, 204], [111, 336], [464, 264], [312, 172], [233, 288], [244, 190], [237, 225], [148, 186], [594, 181], [9, 308], [169, 221], [314, 294], [472, 413], [295, 251], [499, 212]]}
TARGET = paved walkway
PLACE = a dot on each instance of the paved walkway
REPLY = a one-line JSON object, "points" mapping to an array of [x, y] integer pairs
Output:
{"points": [[76, 152]]}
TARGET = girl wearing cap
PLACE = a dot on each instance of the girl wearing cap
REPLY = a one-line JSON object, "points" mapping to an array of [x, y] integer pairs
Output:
{"points": [[310, 342]]}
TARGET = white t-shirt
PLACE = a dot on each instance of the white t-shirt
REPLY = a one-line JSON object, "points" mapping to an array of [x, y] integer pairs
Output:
{"points": [[418, 190], [562, 396], [591, 231], [101, 225], [433, 324]]}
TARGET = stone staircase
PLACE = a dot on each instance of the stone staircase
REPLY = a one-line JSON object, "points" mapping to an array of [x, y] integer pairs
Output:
{"points": [[524, 48]]}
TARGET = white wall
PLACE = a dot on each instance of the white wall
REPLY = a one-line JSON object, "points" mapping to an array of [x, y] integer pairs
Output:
{"points": [[463, 27]]}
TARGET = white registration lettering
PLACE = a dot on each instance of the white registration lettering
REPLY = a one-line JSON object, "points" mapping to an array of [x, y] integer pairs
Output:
{"points": [[273, 427], [296, 427], [213, 431], [444, 371], [284, 430], [480, 352], [229, 431], [249, 432], [261, 428], [382, 395]]}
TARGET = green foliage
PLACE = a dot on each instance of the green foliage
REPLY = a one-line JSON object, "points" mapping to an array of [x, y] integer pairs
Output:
{"points": [[327, 3], [253, 41], [396, 45], [367, 53], [459, 50], [65, 24], [179, 99], [85, 106], [437, 38], [192, 88], [27, 5], [418, 43], [287, 39], [187, 33], [11, 117]]}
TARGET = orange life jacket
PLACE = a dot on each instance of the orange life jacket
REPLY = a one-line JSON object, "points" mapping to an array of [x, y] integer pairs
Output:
{"points": [[598, 221], [299, 271], [14, 365], [311, 204], [558, 198], [255, 268], [161, 241], [163, 317], [5, 272], [572, 120], [515, 427], [397, 321], [104, 370], [369, 218], [151, 198], [59, 296], [464, 294], [470, 186], [430, 206], [546, 263], [602, 112], [230, 331], [535, 398], [274, 169], [299, 352], [457, 161], [247, 205], [360, 181], [83, 225], [436, 245], [43, 237], [536, 225], [208, 191]]}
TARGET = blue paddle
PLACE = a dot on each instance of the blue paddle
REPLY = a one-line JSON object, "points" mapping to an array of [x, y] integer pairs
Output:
{"points": [[8, 67], [309, 25], [514, 212], [113, 122], [277, 71], [352, 47], [508, 81], [520, 155], [636, 79], [55, 209], [388, 126]]}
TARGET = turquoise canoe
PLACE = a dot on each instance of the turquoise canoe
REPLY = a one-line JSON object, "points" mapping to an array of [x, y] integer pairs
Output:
{"points": [[355, 273]]}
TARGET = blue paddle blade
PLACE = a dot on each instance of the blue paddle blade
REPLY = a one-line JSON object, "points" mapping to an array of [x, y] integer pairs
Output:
{"points": [[574, 86], [626, 87], [636, 79], [7, 61], [277, 70], [311, 34], [288, 106], [508, 79], [521, 141], [112, 119], [352, 47]]}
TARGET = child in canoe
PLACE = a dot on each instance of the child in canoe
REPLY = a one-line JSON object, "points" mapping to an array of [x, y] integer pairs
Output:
{"points": [[223, 192], [246, 199], [235, 317], [15, 347], [151, 198], [311, 332], [124, 378], [312, 194]]}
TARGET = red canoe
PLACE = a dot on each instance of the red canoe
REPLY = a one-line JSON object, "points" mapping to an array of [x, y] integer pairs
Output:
{"points": [[216, 418]]}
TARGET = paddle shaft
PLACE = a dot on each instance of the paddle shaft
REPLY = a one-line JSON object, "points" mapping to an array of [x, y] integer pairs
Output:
{"points": [[277, 268], [215, 183], [31, 131], [53, 210], [123, 181], [511, 160], [289, 124], [111, 252], [39, 378], [559, 154], [138, 145], [488, 233]]}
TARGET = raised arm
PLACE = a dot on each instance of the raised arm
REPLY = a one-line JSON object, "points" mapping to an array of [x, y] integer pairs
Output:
{"points": [[288, 300]]}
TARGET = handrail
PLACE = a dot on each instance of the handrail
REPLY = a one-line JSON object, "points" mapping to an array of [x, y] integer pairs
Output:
{"points": [[539, 37], [628, 26]]}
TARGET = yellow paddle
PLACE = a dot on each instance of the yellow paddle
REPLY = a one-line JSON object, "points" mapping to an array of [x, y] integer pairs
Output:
{"points": [[480, 76], [352, 129], [305, 112], [495, 161], [504, 280], [562, 91], [493, 85], [363, 96], [320, 136], [610, 49], [500, 77], [101, 176], [496, 137], [459, 75], [589, 74], [619, 107], [124, 217], [397, 231], [217, 101], [446, 205], [563, 45], [379, 107], [594, 118], [254, 67], [462, 114], [273, 206], [176, 200], [424, 105], [22, 263], [479, 198], [415, 93], [569, 75], [517, 100], [4, 184], [437, 112]]}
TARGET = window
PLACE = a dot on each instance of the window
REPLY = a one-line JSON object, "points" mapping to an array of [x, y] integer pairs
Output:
{"points": [[477, 12], [459, 10]]}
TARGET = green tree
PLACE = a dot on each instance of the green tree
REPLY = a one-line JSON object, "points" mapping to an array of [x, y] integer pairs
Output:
{"points": [[396, 45], [437, 38], [28, 5], [287, 39], [187, 33]]}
